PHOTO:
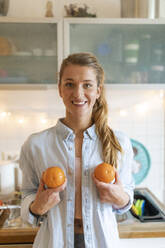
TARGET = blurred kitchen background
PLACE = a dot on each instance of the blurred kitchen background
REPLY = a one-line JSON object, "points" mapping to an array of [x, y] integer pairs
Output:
{"points": [[129, 42]]}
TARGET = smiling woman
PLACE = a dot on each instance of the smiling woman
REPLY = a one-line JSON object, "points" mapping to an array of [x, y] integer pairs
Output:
{"points": [[80, 212], [79, 91]]}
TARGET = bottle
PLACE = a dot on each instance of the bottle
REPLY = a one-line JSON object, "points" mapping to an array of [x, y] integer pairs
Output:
{"points": [[49, 11]]}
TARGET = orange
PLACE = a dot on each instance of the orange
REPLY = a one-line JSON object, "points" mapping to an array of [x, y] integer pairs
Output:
{"points": [[104, 172], [53, 177]]}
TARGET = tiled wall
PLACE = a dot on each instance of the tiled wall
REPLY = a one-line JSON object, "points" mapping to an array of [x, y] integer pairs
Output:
{"points": [[140, 114], [26, 112]]}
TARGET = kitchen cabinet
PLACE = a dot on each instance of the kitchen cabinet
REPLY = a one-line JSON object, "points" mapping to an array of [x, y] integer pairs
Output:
{"points": [[17, 236], [131, 51], [30, 51]]}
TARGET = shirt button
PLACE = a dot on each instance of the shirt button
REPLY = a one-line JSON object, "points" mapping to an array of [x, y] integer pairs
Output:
{"points": [[69, 225], [70, 148]]}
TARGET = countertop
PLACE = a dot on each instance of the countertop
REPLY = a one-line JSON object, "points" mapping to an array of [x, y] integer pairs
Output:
{"points": [[131, 227], [19, 232], [134, 230], [142, 230]]}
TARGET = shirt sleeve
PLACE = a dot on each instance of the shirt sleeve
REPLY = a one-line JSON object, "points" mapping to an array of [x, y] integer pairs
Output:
{"points": [[125, 173], [30, 183]]}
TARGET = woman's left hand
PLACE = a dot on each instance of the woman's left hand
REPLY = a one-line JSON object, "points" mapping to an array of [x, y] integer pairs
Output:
{"points": [[112, 193]]}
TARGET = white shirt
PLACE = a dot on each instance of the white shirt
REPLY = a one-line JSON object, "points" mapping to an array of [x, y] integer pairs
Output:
{"points": [[55, 146]]}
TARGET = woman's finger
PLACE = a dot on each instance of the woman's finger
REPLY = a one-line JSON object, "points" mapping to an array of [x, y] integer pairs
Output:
{"points": [[117, 178], [60, 188], [98, 183], [41, 186]]}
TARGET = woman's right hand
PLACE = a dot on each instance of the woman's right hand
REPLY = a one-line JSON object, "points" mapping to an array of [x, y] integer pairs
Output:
{"points": [[46, 198]]}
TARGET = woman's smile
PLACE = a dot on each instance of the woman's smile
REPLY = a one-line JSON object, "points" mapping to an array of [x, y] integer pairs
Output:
{"points": [[79, 103]]}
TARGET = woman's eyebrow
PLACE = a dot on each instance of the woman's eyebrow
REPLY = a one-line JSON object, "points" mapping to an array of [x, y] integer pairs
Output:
{"points": [[84, 81], [68, 79], [87, 80]]}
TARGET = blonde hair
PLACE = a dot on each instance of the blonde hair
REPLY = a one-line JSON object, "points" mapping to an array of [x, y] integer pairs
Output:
{"points": [[110, 144]]}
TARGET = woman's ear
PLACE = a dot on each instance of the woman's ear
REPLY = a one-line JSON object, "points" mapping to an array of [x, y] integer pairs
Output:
{"points": [[98, 91], [59, 89]]}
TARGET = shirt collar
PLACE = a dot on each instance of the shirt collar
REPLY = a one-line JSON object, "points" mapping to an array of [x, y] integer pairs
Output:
{"points": [[91, 132], [67, 132]]}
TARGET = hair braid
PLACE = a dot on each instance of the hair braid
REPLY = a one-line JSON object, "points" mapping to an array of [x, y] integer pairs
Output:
{"points": [[109, 141]]}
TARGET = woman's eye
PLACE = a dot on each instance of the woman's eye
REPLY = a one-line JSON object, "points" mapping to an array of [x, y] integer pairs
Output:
{"points": [[87, 86], [69, 85]]}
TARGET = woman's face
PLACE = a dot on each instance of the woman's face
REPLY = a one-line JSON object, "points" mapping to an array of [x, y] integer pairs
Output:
{"points": [[79, 90]]}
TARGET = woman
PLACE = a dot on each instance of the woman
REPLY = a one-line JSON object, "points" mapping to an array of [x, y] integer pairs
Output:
{"points": [[81, 212]]}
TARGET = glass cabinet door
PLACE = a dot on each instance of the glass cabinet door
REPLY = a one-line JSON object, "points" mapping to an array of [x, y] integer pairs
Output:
{"points": [[28, 53], [130, 53]]}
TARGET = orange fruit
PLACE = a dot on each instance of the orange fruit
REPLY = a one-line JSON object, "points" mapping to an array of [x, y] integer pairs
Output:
{"points": [[104, 172], [53, 177]]}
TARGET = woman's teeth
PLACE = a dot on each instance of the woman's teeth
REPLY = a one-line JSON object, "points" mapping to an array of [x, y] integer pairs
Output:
{"points": [[78, 103]]}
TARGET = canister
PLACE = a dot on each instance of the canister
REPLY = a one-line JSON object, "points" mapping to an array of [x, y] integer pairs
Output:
{"points": [[7, 177]]}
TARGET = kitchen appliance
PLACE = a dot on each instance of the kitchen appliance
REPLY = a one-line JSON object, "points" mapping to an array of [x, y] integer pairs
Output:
{"points": [[4, 6], [7, 176], [140, 8]]}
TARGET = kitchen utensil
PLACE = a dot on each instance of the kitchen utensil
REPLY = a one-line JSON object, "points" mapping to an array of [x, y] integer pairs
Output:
{"points": [[141, 163], [9, 207]]}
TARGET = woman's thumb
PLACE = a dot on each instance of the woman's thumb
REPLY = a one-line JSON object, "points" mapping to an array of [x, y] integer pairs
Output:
{"points": [[41, 186], [117, 178]]}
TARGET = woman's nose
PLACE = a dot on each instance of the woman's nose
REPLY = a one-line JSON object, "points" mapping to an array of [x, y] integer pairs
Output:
{"points": [[78, 91]]}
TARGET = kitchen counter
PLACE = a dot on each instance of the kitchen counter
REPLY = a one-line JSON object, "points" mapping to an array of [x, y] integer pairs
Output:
{"points": [[134, 230], [15, 231], [17, 235], [142, 230], [129, 227]]}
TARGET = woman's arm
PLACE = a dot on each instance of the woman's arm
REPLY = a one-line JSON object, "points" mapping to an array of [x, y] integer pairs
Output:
{"points": [[119, 194], [36, 200]]}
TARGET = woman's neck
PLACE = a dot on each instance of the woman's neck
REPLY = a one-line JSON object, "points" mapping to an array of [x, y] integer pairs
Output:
{"points": [[78, 126]]}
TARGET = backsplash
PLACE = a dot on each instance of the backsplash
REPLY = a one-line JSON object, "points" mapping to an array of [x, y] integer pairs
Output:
{"points": [[139, 114]]}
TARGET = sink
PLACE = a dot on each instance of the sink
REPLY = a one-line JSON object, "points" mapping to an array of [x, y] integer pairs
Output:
{"points": [[154, 210]]}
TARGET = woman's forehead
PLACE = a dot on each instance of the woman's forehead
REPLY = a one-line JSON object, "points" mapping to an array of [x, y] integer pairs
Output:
{"points": [[79, 72]]}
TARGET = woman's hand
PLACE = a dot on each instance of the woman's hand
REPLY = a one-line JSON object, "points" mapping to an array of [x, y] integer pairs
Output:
{"points": [[46, 198], [112, 193]]}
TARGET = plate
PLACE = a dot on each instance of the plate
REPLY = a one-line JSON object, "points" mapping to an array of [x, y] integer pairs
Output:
{"points": [[141, 163]]}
